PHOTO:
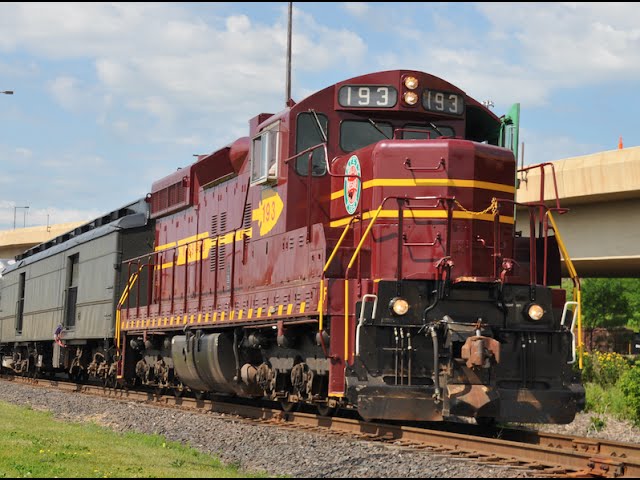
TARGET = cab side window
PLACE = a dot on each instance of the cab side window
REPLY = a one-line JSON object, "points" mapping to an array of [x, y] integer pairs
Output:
{"points": [[265, 151], [308, 135]]}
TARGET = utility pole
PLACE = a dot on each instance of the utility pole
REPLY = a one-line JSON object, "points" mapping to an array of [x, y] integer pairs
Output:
{"points": [[288, 86]]}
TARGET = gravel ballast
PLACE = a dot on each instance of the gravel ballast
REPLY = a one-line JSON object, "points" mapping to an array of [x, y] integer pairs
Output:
{"points": [[273, 450]]}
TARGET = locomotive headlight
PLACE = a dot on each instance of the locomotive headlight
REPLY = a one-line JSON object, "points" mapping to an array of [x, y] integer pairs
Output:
{"points": [[411, 83], [399, 306], [410, 98], [535, 312]]}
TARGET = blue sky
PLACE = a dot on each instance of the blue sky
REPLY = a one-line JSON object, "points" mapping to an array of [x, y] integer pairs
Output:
{"points": [[110, 97]]}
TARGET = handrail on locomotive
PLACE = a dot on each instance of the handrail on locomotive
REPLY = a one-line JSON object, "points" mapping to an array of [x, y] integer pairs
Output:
{"points": [[506, 263], [544, 229]]}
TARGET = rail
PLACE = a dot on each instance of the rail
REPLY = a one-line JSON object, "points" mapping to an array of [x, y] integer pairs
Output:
{"points": [[543, 454]]}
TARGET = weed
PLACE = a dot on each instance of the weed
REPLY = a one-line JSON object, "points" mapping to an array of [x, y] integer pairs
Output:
{"points": [[597, 424]]}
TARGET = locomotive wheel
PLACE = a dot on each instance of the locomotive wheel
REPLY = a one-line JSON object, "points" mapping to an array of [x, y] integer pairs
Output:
{"points": [[326, 410], [288, 406], [109, 382], [178, 392], [75, 375], [486, 422], [200, 395], [34, 373]]}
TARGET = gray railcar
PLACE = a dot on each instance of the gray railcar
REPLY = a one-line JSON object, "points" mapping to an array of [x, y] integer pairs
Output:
{"points": [[57, 310]]}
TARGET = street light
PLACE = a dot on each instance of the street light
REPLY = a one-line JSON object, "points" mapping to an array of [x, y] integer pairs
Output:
{"points": [[15, 209], [8, 92]]}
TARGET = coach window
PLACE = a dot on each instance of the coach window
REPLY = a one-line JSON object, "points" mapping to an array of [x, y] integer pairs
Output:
{"points": [[264, 155], [73, 275], [429, 132], [20, 305], [308, 135], [355, 134]]}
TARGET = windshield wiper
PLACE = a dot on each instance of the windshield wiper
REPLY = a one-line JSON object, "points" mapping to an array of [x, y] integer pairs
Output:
{"points": [[379, 129], [436, 129], [319, 125]]}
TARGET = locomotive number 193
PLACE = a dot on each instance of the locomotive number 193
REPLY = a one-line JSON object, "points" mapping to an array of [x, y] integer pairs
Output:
{"points": [[443, 102], [377, 96]]}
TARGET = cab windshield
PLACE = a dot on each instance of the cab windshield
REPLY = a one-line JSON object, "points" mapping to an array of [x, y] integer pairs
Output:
{"points": [[356, 134]]}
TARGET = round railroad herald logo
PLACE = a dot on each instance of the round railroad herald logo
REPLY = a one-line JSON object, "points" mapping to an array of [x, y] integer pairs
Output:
{"points": [[352, 185]]}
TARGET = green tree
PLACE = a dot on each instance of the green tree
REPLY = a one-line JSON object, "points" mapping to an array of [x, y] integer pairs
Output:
{"points": [[604, 303], [632, 292]]}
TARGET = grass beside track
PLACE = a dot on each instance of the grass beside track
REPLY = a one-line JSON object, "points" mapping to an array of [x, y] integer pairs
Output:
{"points": [[35, 445]]}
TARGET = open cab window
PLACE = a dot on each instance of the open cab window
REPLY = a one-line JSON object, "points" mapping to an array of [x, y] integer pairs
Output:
{"points": [[264, 155], [510, 129]]}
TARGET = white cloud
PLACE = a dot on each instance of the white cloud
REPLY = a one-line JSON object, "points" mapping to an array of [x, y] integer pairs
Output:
{"points": [[238, 24], [192, 140], [529, 50], [11, 157], [24, 152], [571, 43], [17, 70], [120, 126], [154, 105], [357, 9], [65, 90], [159, 58]]}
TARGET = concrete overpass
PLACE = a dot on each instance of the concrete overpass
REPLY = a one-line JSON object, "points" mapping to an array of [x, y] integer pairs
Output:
{"points": [[14, 242], [602, 228]]}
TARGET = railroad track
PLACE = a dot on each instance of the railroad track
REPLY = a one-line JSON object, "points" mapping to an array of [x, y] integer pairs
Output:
{"points": [[540, 453]]}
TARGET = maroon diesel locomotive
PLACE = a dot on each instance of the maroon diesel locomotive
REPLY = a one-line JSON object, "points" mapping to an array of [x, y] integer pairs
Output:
{"points": [[356, 250]]}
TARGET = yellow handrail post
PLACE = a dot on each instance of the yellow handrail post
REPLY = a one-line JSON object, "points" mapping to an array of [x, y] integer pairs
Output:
{"points": [[326, 267], [576, 282], [346, 282], [123, 298]]}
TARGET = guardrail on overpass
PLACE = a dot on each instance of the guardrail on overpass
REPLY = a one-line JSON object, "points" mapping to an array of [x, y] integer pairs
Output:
{"points": [[602, 191]]}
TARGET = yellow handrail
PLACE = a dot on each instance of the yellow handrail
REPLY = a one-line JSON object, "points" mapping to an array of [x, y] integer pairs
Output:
{"points": [[576, 284], [123, 298], [326, 267], [346, 282]]}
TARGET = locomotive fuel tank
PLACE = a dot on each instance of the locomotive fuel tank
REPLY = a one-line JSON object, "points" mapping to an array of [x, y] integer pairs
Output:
{"points": [[209, 363]]}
